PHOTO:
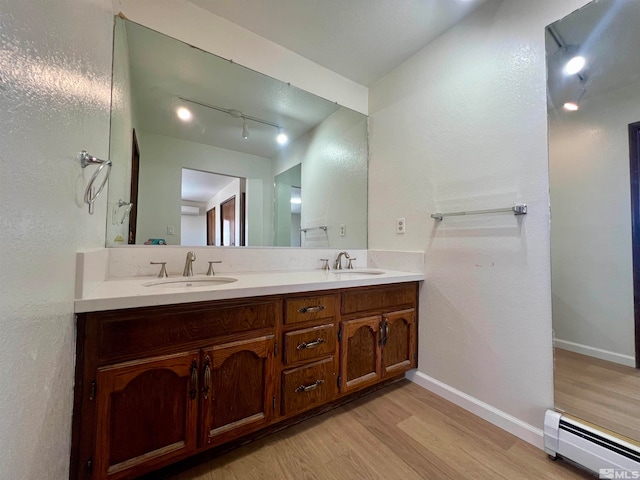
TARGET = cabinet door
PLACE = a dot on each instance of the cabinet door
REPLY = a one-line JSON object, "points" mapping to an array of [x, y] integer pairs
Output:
{"points": [[147, 413], [360, 357], [237, 389], [398, 341]]}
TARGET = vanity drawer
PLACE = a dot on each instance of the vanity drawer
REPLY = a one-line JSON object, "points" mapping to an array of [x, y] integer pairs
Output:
{"points": [[309, 343], [379, 298], [305, 309], [308, 386]]}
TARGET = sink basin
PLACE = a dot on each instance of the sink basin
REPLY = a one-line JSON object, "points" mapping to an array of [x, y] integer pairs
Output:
{"points": [[357, 272], [191, 282]]}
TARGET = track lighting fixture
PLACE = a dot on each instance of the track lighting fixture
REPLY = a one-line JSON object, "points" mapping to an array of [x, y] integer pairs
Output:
{"points": [[281, 137]]}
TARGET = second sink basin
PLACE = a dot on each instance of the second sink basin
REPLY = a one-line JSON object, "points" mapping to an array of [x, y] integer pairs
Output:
{"points": [[191, 282]]}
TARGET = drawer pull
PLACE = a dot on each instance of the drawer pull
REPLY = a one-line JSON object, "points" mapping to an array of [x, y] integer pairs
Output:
{"points": [[314, 344], [308, 388], [317, 308]]}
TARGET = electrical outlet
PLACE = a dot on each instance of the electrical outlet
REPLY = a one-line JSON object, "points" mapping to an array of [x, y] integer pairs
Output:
{"points": [[343, 229], [400, 225], [170, 230]]}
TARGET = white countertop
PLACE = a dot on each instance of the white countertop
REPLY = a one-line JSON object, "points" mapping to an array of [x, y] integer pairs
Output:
{"points": [[118, 293]]}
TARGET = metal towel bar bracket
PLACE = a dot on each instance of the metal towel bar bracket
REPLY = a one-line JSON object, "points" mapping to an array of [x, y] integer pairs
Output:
{"points": [[90, 195], [518, 209], [321, 227]]}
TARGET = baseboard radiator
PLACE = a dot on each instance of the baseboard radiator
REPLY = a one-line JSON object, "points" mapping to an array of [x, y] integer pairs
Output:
{"points": [[593, 449]]}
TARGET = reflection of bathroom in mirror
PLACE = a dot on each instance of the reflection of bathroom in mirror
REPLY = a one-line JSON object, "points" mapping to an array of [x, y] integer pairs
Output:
{"points": [[594, 181], [197, 116]]}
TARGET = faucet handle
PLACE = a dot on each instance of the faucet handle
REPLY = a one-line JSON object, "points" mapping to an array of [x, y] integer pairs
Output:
{"points": [[325, 265], [163, 270], [349, 265], [210, 272]]}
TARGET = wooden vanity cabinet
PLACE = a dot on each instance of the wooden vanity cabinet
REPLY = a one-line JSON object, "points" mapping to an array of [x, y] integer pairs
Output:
{"points": [[378, 334], [132, 399], [237, 394], [155, 385]]}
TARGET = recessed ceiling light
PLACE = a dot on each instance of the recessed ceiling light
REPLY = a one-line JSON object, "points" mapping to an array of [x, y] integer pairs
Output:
{"points": [[184, 114]]}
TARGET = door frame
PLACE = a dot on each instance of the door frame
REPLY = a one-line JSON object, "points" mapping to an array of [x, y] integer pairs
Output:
{"points": [[634, 174], [133, 193], [222, 204]]}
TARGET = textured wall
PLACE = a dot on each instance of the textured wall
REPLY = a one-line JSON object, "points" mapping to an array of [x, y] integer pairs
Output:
{"points": [[334, 179], [592, 277], [55, 77], [462, 125]]}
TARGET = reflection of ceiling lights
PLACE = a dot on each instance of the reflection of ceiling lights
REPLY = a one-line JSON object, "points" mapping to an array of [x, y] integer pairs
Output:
{"points": [[184, 114], [566, 73], [296, 200], [575, 65], [281, 137], [572, 60]]}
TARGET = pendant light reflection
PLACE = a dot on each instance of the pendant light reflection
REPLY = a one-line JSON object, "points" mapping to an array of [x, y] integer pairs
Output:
{"points": [[573, 102], [245, 129]]}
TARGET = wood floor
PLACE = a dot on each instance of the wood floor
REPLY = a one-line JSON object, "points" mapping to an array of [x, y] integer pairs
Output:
{"points": [[400, 432], [601, 392]]}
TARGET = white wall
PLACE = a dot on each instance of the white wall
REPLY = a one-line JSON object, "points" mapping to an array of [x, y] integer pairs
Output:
{"points": [[592, 274], [55, 59], [462, 125], [195, 26], [160, 188], [334, 178], [193, 228]]}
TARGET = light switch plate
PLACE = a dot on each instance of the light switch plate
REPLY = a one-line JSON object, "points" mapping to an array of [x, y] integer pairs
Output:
{"points": [[400, 225], [170, 230]]}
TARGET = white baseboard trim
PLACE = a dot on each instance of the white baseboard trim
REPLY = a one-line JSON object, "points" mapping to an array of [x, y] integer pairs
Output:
{"points": [[507, 422], [614, 357]]}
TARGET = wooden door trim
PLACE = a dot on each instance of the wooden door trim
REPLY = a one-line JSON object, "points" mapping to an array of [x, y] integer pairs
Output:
{"points": [[133, 193], [634, 174]]}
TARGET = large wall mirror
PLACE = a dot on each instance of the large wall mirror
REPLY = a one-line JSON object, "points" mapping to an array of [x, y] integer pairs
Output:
{"points": [[593, 63], [199, 156]]}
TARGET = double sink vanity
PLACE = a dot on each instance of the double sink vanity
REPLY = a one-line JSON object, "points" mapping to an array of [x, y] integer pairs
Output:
{"points": [[171, 367]]}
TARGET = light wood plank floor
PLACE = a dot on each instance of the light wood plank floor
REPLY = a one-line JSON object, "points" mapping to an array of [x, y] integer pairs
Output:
{"points": [[400, 432], [601, 392]]}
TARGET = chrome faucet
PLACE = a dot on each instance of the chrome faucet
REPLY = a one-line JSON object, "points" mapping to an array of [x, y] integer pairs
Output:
{"points": [[337, 265], [188, 265]]}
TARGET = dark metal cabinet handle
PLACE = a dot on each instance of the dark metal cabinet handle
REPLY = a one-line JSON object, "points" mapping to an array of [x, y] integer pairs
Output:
{"points": [[317, 308], [193, 391], [308, 388], [207, 378], [386, 332], [314, 344]]}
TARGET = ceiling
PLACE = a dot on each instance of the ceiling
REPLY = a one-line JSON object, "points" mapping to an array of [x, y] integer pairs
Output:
{"points": [[608, 35], [163, 69], [200, 186], [360, 39]]}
